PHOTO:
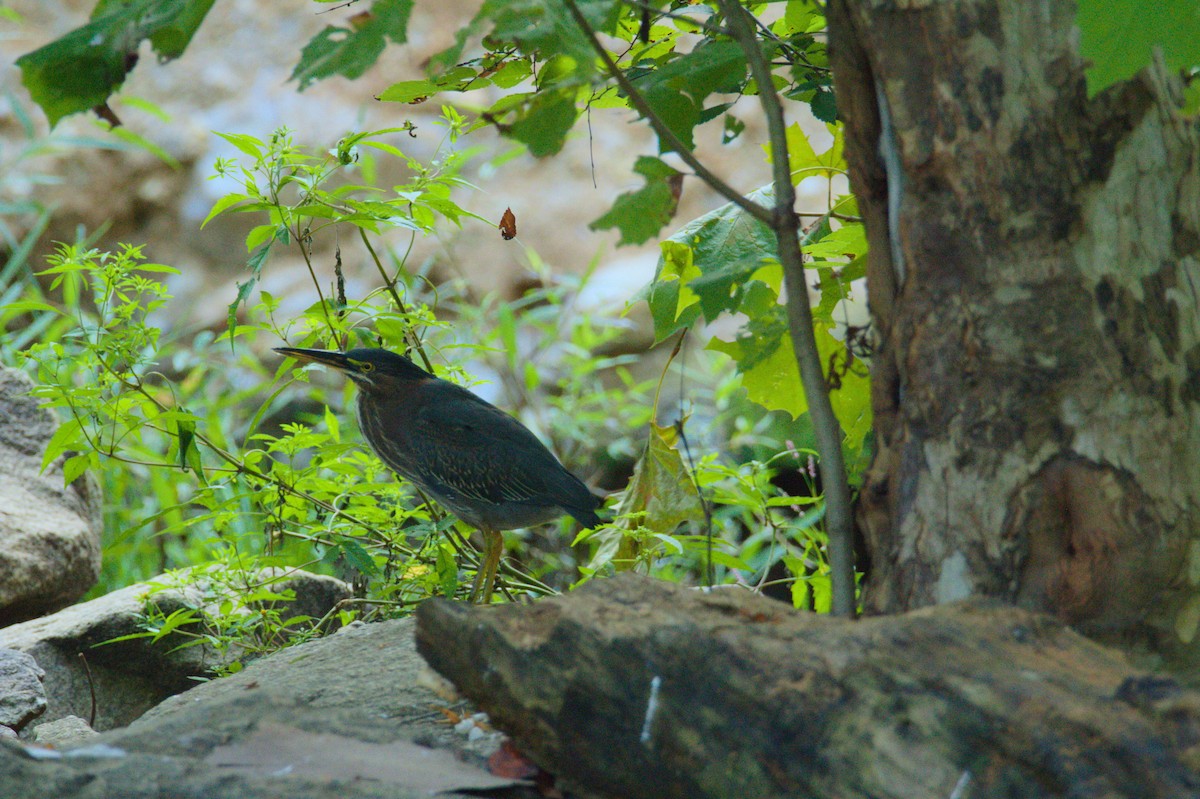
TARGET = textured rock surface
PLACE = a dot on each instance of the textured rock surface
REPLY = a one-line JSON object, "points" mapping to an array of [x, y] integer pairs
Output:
{"points": [[64, 731], [132, 676], [49, 535], [22, 697], [343, 716]]}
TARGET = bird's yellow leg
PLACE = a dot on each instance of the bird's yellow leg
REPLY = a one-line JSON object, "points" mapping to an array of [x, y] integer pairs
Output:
{"points": [[489, 564]]}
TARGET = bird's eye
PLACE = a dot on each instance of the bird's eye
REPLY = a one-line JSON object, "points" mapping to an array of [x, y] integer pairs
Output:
{"points": [[366, 367]]}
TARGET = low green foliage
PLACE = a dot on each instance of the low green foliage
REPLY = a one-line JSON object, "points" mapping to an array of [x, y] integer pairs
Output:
{"points": [[208, 457], [234, 613]]}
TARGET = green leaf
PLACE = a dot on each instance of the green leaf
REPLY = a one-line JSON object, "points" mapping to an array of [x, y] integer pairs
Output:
{"points": [[349, 52], [189, 454], [29, 306], [331, 422], [357, 556], [255, 264], [677, 111], [222, 205], [544, 126], [712, 66], [763, 353], [75, 466], [446, 568], [259, 235], [606, 553], [1119, 36], [545, 27], [804, 161], [676, 91], [246, 143], [641, 214], [848, 241], [709, 256], [409, 91], [80, 70], [673, 305], [824, 106], [850, 393], [769, 371], [68, 436], [512, 73], [661, 488], [179, 618]]}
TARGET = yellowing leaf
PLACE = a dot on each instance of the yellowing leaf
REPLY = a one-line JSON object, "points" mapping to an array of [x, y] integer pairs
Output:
{"points": [[661, 486]]}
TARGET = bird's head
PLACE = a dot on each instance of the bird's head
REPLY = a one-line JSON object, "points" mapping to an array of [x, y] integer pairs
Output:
{"points": [[369, 368]]}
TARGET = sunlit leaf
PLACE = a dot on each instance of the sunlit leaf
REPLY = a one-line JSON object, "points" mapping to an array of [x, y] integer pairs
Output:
{"points": [[1118, 37], [661, 487]]}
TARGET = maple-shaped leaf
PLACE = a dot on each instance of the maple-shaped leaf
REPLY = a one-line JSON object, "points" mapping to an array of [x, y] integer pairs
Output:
{"points": [[349, 52], [661, 489], [641, 214]]}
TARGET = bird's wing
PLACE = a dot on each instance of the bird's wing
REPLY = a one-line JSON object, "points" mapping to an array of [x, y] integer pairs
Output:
{"points": [[481, 451]]}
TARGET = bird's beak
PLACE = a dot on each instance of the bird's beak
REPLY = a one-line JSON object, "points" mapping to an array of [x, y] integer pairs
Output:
{"points": [[332, 358]]}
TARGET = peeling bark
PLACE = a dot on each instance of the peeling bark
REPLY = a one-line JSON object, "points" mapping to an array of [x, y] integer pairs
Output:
{"points": [[1037, 374]]}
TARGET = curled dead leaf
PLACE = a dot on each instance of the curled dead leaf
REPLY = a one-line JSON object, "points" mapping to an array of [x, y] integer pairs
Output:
{"points": [[508, 225]]}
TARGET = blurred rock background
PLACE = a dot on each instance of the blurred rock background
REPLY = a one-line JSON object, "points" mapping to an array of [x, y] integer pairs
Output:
{"points": [[234, 78]]}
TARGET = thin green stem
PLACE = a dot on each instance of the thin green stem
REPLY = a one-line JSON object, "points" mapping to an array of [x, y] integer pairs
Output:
{"points": [[390, 285], [785, 222]]}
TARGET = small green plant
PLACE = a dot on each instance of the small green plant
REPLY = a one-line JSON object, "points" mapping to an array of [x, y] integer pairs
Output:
{"points": [[229, 612], [203, 466]]}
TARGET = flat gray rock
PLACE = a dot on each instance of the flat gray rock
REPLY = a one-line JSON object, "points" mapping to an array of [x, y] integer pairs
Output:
{"points": [[347, 716]]}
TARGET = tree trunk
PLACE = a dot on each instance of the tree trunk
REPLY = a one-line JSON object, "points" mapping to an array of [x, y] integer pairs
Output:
{"points": [[1033, 282]]}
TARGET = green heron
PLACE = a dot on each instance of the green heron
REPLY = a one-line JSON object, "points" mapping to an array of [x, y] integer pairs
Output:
{"points": [[473, 458]]}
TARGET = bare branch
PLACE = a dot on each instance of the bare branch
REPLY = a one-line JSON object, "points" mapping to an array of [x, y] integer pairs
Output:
{"points": [[786, 225], [664, 132]]}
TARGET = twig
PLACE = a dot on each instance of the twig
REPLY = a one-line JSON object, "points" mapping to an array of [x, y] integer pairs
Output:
{"points": [[413, 341], [709, 572], [785, 223], [639, 102], [87, 670]]}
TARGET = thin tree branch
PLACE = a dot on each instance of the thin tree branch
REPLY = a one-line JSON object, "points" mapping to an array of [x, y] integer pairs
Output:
{"points": [[665, 133], [705, 25], [786, 225], [401, 308]]}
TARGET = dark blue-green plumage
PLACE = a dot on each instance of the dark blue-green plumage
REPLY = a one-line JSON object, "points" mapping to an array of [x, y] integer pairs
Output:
{"points": [[473, 458]]}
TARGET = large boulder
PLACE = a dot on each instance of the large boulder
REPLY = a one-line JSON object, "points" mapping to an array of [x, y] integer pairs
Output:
{"points": [[22, 696], [112, 683], [49, 534], [348, 715]]}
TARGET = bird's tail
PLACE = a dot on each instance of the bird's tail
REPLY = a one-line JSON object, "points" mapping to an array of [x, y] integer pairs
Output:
{"points": [[586, 514]]}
